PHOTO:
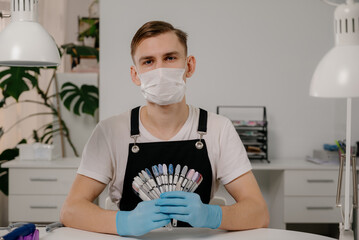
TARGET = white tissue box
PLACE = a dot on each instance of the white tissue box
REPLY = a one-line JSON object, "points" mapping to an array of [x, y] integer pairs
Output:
{"points": [[326, 155], [35, 151]]}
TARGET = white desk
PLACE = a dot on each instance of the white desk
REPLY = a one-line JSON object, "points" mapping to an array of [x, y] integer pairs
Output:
{"points": [[40, 201], [183, 234]]}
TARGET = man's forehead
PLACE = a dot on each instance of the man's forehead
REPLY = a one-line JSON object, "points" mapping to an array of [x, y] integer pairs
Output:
{"points": [[159, 45]]}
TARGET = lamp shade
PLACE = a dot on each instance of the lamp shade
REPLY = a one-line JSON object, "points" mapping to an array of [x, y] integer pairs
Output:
{"points": [[27, 44], [24, 42], [337, 74]]}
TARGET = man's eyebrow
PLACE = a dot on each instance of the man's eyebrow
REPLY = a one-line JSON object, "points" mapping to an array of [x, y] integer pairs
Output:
{"points": [[145, 58], [171, 53]]}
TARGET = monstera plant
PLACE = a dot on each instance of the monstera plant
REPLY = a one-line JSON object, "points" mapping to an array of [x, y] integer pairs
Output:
{"points": [[15, 81]]}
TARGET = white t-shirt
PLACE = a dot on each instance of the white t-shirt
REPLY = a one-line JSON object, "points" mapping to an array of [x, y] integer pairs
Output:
{"points": [[105, 155]]}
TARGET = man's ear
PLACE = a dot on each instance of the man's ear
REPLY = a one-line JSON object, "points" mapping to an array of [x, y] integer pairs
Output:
{"points": [[134, 76], [191, 66]]}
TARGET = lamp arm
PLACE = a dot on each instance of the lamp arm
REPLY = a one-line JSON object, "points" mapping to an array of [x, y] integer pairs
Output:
{"points": [[350, 160], [355, 182], [339, 186], [347, 164]]}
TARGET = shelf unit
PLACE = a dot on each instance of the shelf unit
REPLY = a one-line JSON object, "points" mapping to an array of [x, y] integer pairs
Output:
{"points": [[253, 133]]}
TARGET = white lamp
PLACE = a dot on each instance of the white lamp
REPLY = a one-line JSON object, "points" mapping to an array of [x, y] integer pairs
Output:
{"points": [[24, 42], [337, 76]]}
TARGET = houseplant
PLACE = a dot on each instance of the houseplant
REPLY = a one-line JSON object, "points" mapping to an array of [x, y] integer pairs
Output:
{"points": [[89, 28], [15, 81]]}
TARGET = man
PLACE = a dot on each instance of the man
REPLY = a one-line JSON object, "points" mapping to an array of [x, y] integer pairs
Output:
{"points": [[164, 131]]}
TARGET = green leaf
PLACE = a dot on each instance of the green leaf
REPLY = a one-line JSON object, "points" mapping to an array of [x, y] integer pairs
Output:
{"points": [[9, 154], [64, 92], [32, 79], [68, 84], [77, 108], [84, 98], [48, 133], [3, 101], [35, 136], [16, 80], [69, 100]]}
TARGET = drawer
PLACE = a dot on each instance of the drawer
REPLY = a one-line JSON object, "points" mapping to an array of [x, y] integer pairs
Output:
{"points": [[41, 181], [35, 208], [311, 210], [311, 183]]}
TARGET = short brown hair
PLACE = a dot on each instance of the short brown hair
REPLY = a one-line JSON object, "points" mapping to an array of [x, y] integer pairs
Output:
{"points": [[153, 29]]}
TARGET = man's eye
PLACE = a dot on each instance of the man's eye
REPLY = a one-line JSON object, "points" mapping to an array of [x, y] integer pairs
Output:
{"points": [[170, 58], [147, 62]]}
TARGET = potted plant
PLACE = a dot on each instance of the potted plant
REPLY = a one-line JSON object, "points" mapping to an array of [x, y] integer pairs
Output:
{"points": [[89, 29]]}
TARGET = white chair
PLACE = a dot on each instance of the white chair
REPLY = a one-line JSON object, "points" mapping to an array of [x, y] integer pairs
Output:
{"points": [[109, 205], [217, 200]]}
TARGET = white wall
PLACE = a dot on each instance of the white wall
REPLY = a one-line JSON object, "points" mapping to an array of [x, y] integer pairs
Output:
{"points": [[248, 53]]}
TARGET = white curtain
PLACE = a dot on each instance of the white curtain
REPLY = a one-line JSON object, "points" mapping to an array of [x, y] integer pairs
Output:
{"points": [[52, 15]]}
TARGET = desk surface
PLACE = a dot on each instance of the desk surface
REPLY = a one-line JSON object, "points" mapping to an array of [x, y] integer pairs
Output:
{"points": [[292, 164], [72, 163], [275, 164], [184, 234]]}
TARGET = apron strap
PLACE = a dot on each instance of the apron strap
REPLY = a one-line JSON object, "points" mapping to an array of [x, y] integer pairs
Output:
{"points": [[135, 121], [202, 127], [202, 123]]}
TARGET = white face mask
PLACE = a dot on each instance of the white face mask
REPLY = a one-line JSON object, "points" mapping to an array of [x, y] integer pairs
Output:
{"points": [[163, 86]]}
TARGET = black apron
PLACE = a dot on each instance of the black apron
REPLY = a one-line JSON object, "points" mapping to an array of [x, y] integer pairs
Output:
{"points": [[192, 153]]}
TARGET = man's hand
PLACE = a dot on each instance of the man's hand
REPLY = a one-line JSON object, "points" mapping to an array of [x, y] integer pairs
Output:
{"points": [[188, 207], [144, 218]]}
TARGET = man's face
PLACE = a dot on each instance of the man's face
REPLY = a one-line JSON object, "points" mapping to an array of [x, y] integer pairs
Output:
{"points": [[162, 51]]}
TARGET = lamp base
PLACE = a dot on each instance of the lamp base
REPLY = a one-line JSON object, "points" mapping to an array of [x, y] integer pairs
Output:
{"points": [[345, 234]]}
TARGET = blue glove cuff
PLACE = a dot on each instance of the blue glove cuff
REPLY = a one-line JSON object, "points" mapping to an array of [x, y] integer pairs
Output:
{"points": [[121, 223], [214, 219]]}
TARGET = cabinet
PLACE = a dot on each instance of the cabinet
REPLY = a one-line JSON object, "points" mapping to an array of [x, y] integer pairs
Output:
{"points": [[310, 196], [253, 132], [300, 195], [37, 189]]}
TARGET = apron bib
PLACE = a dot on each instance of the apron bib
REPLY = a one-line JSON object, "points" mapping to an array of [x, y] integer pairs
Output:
{"points": [[190, 153]]}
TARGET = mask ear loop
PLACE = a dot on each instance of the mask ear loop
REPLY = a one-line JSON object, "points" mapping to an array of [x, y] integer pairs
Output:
{"points": [[185, 67], [138, 73]]}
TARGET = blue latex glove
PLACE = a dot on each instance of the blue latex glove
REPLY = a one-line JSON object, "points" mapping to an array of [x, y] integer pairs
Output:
{"points": [[144, 218], [188, 207]]}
